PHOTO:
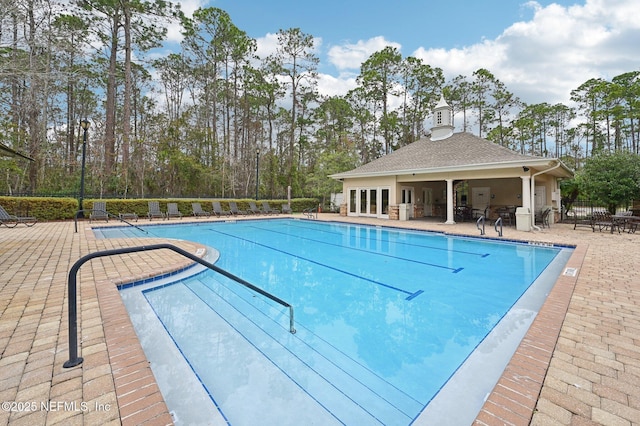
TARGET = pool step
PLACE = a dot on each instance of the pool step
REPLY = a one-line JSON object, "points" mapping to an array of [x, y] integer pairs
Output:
{"points": [[347, 389]]}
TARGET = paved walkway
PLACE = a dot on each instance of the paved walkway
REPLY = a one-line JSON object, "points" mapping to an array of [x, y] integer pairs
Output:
{"points": [[578, 365]]}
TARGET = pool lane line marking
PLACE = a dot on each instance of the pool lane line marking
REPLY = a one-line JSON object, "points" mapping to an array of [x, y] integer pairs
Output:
{"points": [[388, 241], [454, 270], [183, 353], [389, 286], [189, 284], [366, 409]]}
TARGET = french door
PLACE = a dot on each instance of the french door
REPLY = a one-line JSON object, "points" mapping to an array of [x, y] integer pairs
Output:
{"points": [[369, 202]]}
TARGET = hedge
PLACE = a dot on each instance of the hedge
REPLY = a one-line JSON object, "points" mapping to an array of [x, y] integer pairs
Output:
{"points": [[45, 208]]}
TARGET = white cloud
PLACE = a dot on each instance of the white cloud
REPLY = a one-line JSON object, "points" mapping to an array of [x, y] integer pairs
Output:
{"points": [[543, 59], [540, 60], [351, 56], [329, 85], [268, 44], [188, 7]]}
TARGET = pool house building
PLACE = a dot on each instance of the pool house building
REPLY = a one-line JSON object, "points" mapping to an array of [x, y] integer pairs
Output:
{"points": [[454, 176]]}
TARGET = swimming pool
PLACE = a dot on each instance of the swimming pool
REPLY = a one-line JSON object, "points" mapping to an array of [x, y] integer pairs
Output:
{"points": [[384, 317]]}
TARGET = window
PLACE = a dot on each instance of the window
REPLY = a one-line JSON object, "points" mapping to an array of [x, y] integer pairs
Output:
{"points": [[352, 201], [385, 201]]}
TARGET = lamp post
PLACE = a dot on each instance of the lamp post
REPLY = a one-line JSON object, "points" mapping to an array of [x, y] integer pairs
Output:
{"points": [[257, 171], [85, 127]]}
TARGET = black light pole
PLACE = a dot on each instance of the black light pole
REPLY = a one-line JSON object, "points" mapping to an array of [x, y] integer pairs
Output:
{"points": [[85, 127], [257, 171]]}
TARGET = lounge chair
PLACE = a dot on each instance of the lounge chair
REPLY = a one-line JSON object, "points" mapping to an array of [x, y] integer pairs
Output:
{"points": [[218, 211], [99, 211], [172, 211], [11, 221], [128, 216], [286, 209], [267, 208], [197, 210], [154, 210], [254, 209], [233, 207]]}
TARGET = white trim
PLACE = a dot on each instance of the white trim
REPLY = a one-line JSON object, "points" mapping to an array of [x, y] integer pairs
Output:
{"points": [[471, 167]]}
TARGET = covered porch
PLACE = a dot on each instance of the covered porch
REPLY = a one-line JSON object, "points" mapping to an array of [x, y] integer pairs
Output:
{"points": [[462, 195]]}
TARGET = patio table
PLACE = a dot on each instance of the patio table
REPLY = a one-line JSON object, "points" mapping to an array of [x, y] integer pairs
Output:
{"points": [[625, 222]]}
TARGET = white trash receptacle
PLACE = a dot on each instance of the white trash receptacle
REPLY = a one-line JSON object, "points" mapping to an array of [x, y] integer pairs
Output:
{"points": [[523, 219], [404, 212]]}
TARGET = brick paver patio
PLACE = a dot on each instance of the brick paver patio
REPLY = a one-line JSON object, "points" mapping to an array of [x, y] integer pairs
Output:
{"points": [[578, 365]]}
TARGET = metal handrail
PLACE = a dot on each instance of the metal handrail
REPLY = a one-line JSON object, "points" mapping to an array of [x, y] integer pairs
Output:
{"points": [[309, 212], [478, 222], [74, 359], [495, 226], [108, 214]]}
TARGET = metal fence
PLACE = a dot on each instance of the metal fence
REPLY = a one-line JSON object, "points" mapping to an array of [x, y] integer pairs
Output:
{"points": [[583, 209]]}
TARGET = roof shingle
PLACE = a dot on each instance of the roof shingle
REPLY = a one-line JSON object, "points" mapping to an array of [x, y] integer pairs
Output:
{"points": [[460, 149]]}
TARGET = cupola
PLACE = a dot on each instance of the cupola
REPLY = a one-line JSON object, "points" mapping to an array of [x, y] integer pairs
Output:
{"points": [[442, 121]]}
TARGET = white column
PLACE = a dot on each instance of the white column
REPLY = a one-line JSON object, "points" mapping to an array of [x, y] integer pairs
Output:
{"points": [[526, 191], [450, 220], [526, 194]]}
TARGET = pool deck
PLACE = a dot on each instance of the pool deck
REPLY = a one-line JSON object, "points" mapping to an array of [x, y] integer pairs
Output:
{"points": [[579, 364]]}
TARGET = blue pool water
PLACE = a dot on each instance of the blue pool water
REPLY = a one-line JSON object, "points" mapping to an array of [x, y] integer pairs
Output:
{"points": [[384, 317]]}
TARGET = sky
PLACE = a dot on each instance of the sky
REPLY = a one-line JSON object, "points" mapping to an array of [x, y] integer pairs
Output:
{"points": [[541, 50]]}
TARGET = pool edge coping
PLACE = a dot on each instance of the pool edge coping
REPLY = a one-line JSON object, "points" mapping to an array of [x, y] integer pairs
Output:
{"points": [[514, 398]]}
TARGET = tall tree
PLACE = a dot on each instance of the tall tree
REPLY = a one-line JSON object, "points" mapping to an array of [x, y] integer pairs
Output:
{"points": [[588, 96], [121, 25], [379, 79], [504, 102], [627, 88], [295, 59], [422, 86], [481, 88]]}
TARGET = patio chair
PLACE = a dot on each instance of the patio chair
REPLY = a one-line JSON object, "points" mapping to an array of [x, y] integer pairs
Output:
{"points": [[267, 208], [99, 211], [233, 207], [218, 211], [11, 221], [286, 209], [172, 211], [154, 210], [603, 220], [197, 210], [508, 215], [542, 217], [253, 208]]}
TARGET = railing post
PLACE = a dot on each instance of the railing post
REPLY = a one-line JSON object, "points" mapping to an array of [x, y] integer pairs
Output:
{"points": [[73, 319], [292, 329]]}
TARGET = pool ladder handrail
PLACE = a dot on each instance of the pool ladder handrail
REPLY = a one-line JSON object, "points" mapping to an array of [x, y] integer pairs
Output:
{"points": [[495, 226], [479, 222], [309, 213], [74, 359]]}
